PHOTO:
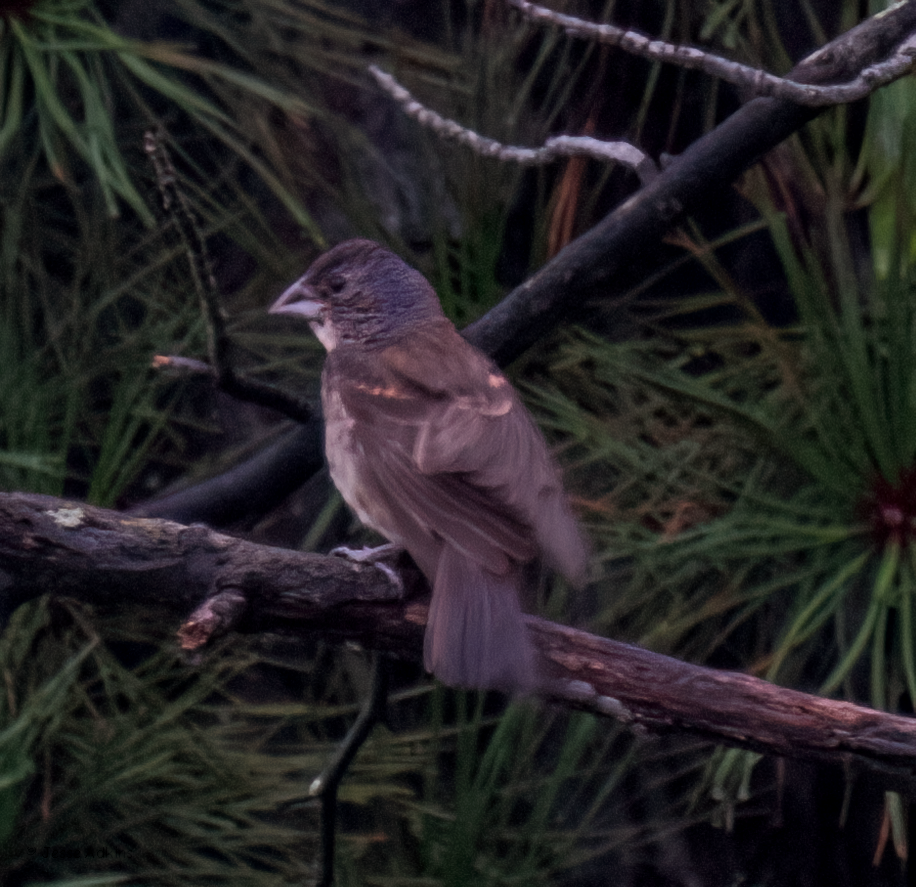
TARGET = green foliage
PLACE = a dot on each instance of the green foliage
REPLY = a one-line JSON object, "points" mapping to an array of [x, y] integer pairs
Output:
{"points": [[171, 772], [109, 768], [886, 174], [762, 479], [81, 312], [730, 468], [516, 796], [67, 69], [754, 481]]}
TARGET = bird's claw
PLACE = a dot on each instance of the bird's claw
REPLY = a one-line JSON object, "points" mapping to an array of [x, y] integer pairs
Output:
{"points": [[375, 556], [366, 555], [392, 574]]}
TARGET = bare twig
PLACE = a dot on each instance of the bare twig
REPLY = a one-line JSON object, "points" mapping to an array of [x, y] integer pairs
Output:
{"points": [[179, 209], [558, 146], [216, 616], [218, 342], [759, 82], [50, 545], [325, 785], [183, 365]]}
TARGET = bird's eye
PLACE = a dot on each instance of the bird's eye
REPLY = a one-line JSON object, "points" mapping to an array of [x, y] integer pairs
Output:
{"points": [[336, 282]]}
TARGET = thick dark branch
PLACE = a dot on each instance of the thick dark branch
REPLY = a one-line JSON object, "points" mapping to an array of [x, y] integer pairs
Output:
{"points": [[53, 546], [660, 693], [710, 163], [252, 487]]}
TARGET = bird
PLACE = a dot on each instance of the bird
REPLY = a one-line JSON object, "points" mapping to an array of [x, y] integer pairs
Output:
{"points": [[430, 445]]}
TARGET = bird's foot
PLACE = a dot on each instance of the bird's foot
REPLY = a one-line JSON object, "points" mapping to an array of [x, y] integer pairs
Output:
{"points": [[368, 555], [375, 556]]}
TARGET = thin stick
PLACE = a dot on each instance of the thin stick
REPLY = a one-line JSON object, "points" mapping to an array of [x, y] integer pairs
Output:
{"points": [[558, 146], [220, 366], [327, 783], [759, 82]]}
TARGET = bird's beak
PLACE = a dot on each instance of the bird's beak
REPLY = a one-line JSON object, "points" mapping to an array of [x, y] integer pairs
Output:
{"points": [[300, 299]]}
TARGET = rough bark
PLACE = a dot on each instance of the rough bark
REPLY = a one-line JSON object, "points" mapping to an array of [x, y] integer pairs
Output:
{"points": [[207, 583]]}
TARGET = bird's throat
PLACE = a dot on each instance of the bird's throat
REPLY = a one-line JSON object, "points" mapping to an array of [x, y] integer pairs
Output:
{"points": [[326, 333]]}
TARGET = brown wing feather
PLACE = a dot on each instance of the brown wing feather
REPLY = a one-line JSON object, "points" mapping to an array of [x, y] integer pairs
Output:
{"points": [[454, 454]]}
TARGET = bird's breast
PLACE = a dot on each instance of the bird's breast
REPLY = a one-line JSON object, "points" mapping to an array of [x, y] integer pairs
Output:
{"points": [[350, 466]]}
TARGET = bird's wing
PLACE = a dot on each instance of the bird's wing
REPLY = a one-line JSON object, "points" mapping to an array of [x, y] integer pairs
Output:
{"points": [[450, 444]]}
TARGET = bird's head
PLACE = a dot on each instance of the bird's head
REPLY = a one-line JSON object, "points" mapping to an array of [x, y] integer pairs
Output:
{"points": [[360, 293]]}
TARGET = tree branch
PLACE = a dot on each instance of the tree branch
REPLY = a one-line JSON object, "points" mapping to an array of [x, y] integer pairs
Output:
{"points": [[557, 146], [220, 368], [860, 85], [50, 545], [710, 163], [253, 487]]}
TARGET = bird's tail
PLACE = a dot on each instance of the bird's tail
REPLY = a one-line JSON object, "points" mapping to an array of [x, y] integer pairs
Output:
{"points": [[476, 635]]}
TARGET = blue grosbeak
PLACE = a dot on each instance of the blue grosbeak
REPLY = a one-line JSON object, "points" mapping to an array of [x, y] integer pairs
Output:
{"points": [[430, 445]]}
